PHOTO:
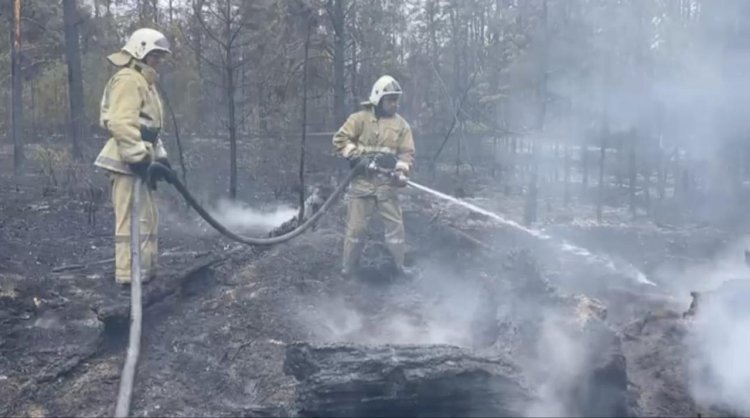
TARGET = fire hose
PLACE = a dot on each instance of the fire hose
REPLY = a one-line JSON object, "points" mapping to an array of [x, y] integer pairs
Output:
{"points": [[156, 170], [125, 392]]}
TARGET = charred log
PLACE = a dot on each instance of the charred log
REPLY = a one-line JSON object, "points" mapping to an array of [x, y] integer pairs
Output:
{"points": [[358, 381]]}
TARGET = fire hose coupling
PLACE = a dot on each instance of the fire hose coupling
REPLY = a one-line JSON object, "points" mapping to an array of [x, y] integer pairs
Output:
{"points": [[382, 163], [386, 164], [398, 177], [385, 161]]}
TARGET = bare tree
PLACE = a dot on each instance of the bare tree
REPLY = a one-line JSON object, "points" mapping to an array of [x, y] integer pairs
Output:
{"points": [[632, 172], [227, 37], [531, 206], [75, 77], [305, 89], [337, 14], [16, 108], [566, 176], [604, 134]]}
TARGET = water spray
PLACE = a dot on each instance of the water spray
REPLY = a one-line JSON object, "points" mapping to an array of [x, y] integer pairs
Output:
{"points": [[566, 246], [608, 262]]}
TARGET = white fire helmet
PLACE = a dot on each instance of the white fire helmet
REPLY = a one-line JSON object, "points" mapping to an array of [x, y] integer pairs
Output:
{"points": [[385, 86], [141, 43]]}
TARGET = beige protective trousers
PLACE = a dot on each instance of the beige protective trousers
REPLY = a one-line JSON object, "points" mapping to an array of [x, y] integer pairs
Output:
{"points": [[122, 200], [359, 214]]}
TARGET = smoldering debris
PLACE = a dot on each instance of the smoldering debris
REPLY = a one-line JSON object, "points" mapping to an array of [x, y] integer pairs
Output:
{"points": [[570, 359], [433, 380]]}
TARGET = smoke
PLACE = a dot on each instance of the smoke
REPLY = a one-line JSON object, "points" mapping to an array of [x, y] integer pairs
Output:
{"points": [[436, 309], [234, 215], [457, 306], [720, 342], [557, 366], [681, 278], [237, 215]]}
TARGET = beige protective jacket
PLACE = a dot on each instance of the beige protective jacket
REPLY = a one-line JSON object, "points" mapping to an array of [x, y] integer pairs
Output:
{"points": [[363, 133], [130, 102]]}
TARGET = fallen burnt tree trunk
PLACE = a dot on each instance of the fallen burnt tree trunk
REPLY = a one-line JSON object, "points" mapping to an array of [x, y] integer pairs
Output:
{"points": [[359, 381]]}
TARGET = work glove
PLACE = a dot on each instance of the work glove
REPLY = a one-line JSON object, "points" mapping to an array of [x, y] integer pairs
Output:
{"points": [[400, 179], [140, 168], [159, 175], [149, 134], [361, 160]]}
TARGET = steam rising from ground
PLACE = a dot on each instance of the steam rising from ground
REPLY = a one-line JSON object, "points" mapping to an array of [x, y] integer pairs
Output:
{"points": [[446, 306], [434, 310], [720, 337], [237, 215], [727, 264], [559, 362], [720, 374]]}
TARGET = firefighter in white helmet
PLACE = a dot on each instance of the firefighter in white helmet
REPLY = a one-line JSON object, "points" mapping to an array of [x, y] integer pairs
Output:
{"points": [[131, 111], [376, 132]]}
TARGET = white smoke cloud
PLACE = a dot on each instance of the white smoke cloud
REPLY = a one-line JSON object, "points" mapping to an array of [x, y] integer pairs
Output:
{"points": [[237, 215], [442, 315], [728, 263], [558, 363], [720, 340], [719, 337]]}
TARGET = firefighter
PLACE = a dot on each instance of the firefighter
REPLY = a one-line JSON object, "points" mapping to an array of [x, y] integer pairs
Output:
{"points": [[376, 133], [131, 111]]}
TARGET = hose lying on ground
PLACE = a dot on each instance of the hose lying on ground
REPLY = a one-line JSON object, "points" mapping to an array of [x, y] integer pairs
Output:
{"points": [[125, 392], [158, 169]]}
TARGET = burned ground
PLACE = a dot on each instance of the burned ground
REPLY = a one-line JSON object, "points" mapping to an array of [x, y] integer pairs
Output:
{"points": [[230, 330]]}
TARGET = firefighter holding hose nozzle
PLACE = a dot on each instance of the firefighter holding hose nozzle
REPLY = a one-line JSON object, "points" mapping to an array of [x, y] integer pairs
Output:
{"points": [[379, 139], [131, 111]]}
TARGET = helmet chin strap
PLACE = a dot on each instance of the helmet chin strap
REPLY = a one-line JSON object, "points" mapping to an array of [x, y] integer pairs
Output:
{"points": [[380, 112]]}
